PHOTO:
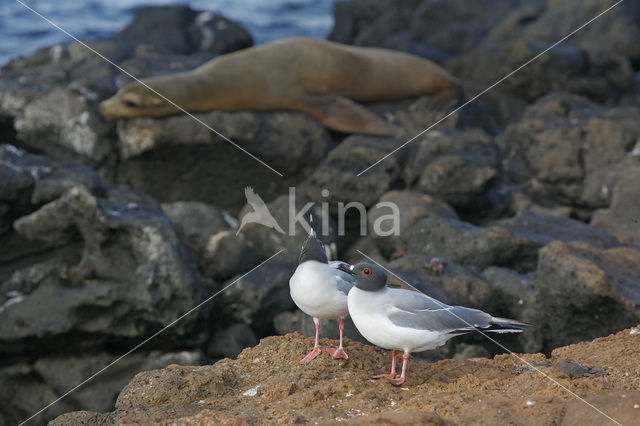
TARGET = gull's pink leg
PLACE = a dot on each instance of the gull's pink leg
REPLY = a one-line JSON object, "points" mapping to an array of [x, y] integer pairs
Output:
{"points": [[400, 380], [392, 375], [316, 348], [339, 351]]}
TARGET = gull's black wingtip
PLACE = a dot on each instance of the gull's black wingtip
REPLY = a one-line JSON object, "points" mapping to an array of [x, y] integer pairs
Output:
{"points": [[495, 327]]}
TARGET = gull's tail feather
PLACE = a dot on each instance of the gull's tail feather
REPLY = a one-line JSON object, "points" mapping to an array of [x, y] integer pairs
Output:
{"points": [[508, 321], [312, 232], [312, 248], [505, 328]]}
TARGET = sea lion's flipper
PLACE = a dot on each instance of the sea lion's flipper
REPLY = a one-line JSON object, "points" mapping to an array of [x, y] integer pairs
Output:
{"points": [[344, 115]]}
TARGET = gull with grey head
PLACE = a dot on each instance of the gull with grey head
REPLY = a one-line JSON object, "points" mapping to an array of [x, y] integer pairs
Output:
{"points": [[408, 320]]}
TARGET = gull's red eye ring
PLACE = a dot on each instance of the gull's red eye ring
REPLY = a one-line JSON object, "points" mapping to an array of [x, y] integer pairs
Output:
{"points": [[366, 271]]}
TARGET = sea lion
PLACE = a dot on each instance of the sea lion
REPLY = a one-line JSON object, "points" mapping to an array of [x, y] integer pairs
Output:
{"points": [[320, 78]]}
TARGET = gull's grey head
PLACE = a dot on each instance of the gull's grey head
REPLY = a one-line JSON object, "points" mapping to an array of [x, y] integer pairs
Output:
{"points": [[369, 277]]}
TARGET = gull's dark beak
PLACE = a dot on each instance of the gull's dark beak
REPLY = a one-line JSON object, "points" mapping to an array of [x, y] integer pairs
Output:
{"points": [[345, 267]]}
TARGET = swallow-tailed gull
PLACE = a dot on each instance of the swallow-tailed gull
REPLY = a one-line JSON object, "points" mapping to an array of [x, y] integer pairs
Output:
{"points": [[408, 320], [320, 290]]}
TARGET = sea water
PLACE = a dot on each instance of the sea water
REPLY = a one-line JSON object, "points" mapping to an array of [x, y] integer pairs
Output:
{"points": [[22, 31]]}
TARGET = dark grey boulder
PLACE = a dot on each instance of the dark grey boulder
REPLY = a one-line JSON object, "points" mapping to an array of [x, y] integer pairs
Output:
{"points": [[180, 29], [513, 292], [19, 173], [455, 180], [455, 166], [195, 222], [436, 29], [63, 178], [189, 162], [227, 254], [364, 23], [519, 202], [338, 173], [64, 123], [562, 147], [105, 266], [586, 64], [410, 206], [511, 242], [291, 141], [363, 249], [288, 322], [585, 292], [616, 31], [27, 387], [622, 217], [254, 299], [515, 295], [229, 342], [543, 229], [598, 75], [463, 243]]}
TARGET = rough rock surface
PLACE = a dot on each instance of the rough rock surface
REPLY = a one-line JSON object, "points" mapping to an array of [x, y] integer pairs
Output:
{"points": [[254, 299], [267, 385], [563, 147], [510, 242], [436, 29], [437, 161], [54, 103], [229, 342], [89, 268], [338, 172], [226, 254], [189, 162], [27, 386], [482, 42], [584, 291], [195, 222], [132, 276], [622, 217], [85, 270], [411, 207]]}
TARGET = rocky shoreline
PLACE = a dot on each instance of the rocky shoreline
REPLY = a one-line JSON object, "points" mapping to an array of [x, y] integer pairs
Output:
{"points": [[266, 385], [110, 231]]}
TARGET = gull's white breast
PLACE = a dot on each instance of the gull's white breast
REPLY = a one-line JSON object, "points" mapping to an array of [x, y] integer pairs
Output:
{"points": [[314, 290]]}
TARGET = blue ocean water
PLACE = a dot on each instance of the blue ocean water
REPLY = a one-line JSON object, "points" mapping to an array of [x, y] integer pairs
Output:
{"points": [[22, 32]]}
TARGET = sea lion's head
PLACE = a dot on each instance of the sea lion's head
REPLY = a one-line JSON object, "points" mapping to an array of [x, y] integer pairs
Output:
{"points": [[135, 100]]}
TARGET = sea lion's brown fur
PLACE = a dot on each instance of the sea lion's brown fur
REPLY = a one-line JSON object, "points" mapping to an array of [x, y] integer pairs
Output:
{"points": [[320, 78]]}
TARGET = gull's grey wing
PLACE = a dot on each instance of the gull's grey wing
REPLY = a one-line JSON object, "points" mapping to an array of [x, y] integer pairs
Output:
{"points": [[412, 310], [413, 300], [344, 281], [403, 285], [454, 319], [344, 285]]}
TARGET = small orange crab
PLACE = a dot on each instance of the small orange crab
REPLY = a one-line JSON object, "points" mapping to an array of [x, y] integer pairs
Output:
{"points": [[436, 265]]}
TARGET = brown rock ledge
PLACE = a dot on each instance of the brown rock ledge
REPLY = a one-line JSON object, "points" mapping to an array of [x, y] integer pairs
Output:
{"points": [[266, 385]]}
